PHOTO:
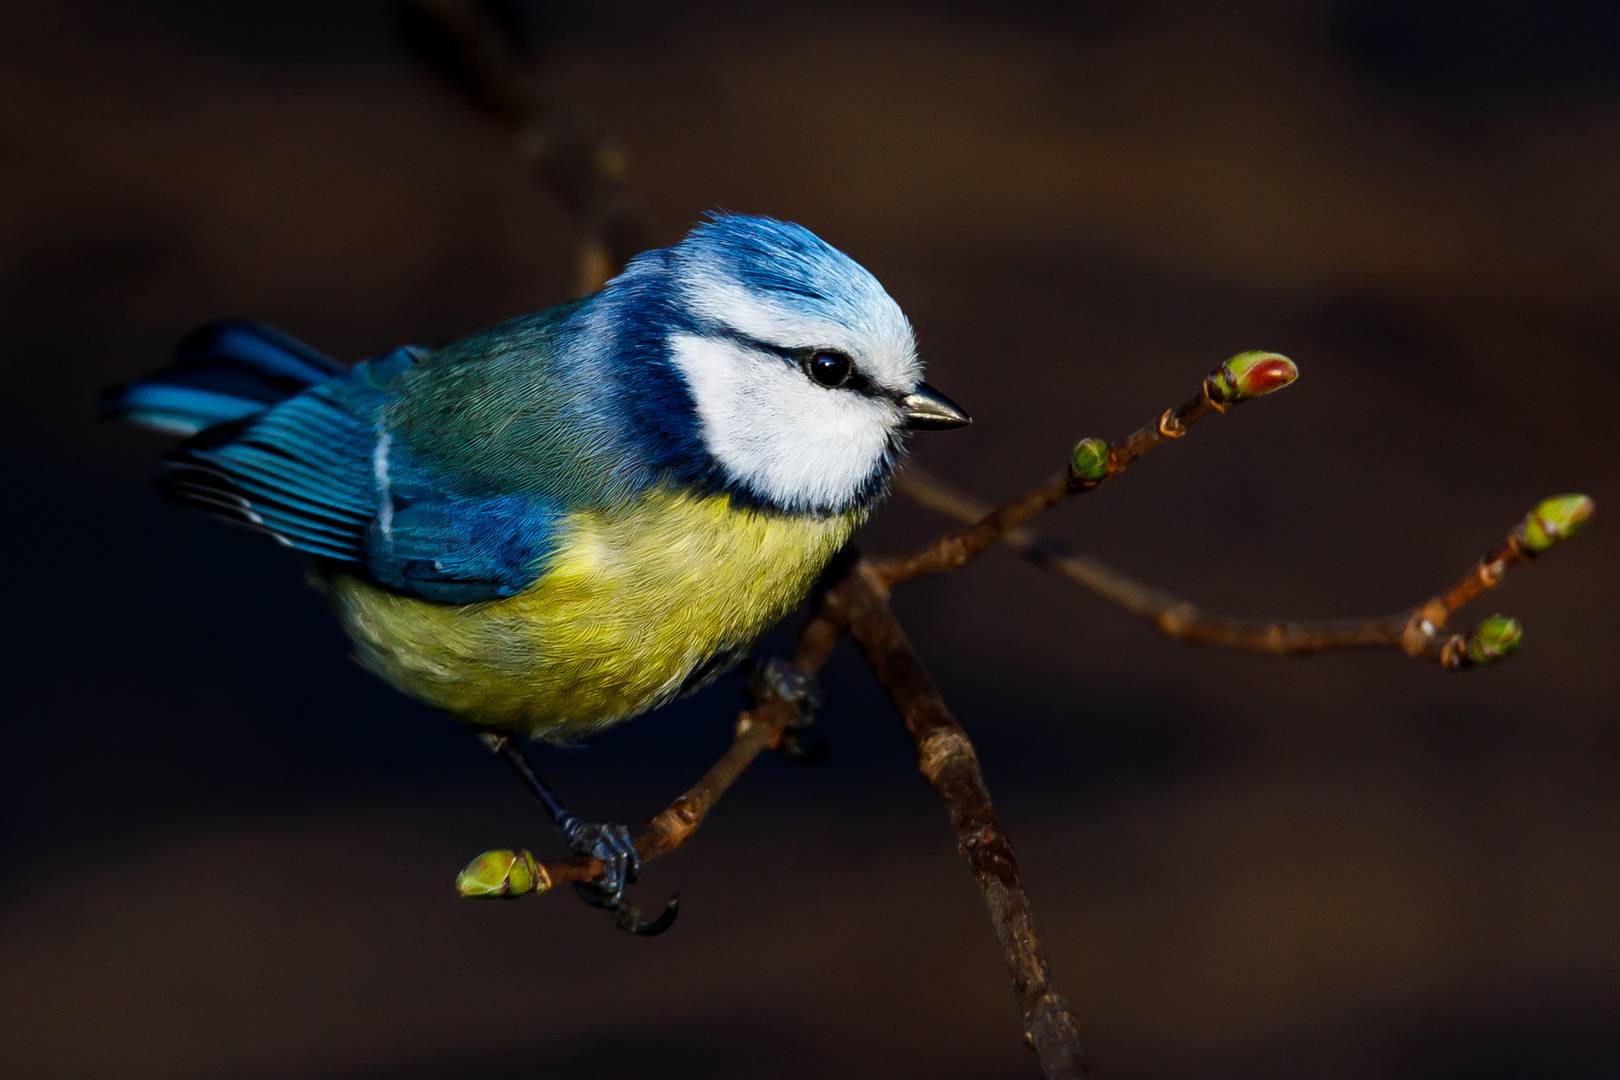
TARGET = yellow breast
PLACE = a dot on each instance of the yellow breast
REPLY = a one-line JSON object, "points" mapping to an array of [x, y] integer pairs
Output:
{"points": [[631, 603]]}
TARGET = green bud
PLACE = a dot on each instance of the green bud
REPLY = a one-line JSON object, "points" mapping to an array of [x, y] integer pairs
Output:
{"points": [[1555, 519], [1251, 375], [497, 875], [1090, 459], [1494, 639]]}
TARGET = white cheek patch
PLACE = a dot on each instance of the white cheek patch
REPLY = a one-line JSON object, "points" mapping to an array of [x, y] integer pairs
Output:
{"points": [[795, 443]]}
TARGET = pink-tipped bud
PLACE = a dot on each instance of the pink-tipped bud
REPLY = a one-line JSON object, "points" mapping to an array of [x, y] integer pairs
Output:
{"points": [[1251, 375]]}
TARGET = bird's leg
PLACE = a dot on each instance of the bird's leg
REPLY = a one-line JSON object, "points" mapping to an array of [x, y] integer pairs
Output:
{"points": [[778, 678], [607, 842]]}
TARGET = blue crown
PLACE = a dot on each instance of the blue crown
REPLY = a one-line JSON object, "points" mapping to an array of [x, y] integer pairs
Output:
{"points": [[797, 268]]}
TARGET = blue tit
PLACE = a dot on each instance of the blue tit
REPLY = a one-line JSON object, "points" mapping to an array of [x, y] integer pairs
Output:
{"points": [[578, 515], [569, 519]]}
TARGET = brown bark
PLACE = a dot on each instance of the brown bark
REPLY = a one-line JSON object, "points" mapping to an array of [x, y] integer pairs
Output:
{"points": [[947, 760]]}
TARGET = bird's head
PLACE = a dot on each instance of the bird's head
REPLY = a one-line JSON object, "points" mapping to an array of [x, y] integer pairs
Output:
{"points": [[801, 370]]}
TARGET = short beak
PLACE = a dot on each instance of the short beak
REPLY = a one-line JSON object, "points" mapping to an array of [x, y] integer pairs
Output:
{"points": [[926, 409]]}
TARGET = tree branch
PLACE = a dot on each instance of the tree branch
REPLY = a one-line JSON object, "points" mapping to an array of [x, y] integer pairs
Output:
{"points": [[1418, 631], [947, 760], [1094, 462]]}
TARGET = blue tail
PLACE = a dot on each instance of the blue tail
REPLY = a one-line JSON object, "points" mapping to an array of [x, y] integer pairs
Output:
{"points": [[223, 371]]}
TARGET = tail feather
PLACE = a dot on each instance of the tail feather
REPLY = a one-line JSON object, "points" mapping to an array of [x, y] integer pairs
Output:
{"points": [[280, 437], [222, 372]]}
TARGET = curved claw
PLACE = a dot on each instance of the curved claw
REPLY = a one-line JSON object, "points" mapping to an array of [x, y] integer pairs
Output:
{"points": [[599, 897], [610, 844], [628, 919]]}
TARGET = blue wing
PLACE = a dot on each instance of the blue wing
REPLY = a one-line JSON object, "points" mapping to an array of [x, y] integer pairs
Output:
{"points": [[321, 474], [461, 550]]}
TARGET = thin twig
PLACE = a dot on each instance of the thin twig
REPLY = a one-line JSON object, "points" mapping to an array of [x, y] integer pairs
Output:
{"points": [[1417, 631], [947, 760], [949, 552]]}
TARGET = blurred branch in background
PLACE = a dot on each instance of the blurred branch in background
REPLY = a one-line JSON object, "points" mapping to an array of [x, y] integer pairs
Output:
{"points": [[584, 169], [487, 61]]}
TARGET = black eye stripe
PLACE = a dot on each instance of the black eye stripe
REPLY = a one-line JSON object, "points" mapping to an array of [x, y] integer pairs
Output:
{"points": [[855, 381]]}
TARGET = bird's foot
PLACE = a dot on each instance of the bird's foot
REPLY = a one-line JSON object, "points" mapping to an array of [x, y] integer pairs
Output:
{"points": [[778, 678], [607, 842], [610, 844]]}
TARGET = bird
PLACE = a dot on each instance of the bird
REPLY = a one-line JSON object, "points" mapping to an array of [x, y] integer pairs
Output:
{"points": [[576, 516]]}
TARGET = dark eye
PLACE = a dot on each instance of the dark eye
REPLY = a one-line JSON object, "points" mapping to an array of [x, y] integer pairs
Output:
{"points": [[830, 369]]}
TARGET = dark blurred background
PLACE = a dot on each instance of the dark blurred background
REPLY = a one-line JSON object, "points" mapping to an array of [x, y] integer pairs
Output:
{"points": [[226, 851]]}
